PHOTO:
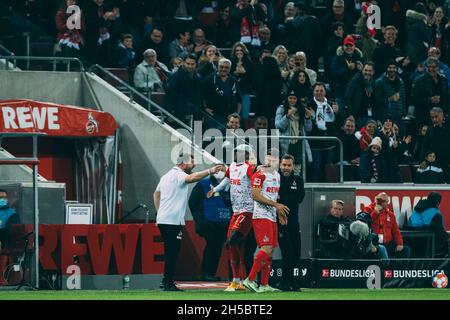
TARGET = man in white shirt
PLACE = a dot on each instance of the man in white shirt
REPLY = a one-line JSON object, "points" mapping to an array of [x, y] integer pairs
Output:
{"points": [[170, 199]]}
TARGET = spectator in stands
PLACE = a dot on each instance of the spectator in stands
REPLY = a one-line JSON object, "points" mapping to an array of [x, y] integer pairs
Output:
{"points": [[181, 14], [333, 43], [437, 138], [429, 172], [435, 53], [338, 14], [294, 119], [430, 90], [212, 216], [368, 42], [199, 42], [123, 56], [242, 68], [388, 51], [418, 143], [332, 245], [300, 64], [303, 33], [440, 32], [350, 143], [268, 84], [426, 214], [373, 166], [390, 94], [175, 64], [280, 54], [346, 63], [289, 12], [70, 41], [391, 148], [385, 225], [8, 216], [179, 46], [266, 39], [184, 91], [101, 25], [246, 17], [208, 61], [261, 123], [156, 42], [224, 31], [359, 100], [151, 74], [326, 122], [418, 33], [221, 95], [366, 134], [301, 85]]}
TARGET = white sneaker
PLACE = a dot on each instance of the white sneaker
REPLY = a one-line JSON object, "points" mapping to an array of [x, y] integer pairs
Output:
{"points": [[251, 285], [267, 288]]}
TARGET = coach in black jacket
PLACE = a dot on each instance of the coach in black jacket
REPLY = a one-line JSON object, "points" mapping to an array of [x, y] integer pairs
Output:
{"points": [[291, 194]]}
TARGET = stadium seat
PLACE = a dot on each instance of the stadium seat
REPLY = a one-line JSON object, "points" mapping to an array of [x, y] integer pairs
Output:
{"points": [[405, 172]]}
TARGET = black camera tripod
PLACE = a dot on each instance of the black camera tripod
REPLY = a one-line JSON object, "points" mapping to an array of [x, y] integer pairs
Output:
{"points": [[24, 264]]}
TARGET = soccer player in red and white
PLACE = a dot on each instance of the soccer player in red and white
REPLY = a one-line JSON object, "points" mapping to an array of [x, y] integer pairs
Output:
{"points": [[265, 187], [238, 176]]}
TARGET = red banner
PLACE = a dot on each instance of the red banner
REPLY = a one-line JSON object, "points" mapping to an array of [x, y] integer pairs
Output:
{"points": [[54, 119], [403, 201]]}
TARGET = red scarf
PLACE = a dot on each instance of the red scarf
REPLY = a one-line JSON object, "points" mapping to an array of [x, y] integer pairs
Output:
{"points": [[160, 71], [250, 29]]}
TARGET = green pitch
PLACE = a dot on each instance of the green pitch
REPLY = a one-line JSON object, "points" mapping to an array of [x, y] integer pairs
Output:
{"points": [[306, 294]]}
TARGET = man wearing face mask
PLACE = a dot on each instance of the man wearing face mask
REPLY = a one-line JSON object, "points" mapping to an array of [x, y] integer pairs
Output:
{"points": [[8, 216], [291, 194], [212, 216], [170, 200]]}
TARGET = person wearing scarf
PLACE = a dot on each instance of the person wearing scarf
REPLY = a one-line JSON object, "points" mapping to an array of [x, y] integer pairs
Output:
{"points": [[150, 73]]}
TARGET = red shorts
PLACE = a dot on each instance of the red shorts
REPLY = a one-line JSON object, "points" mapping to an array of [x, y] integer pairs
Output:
{"points": [[266, 232], [241, 222]]}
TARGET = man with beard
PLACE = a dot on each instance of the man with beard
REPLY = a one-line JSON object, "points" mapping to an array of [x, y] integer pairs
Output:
{"points": [[359, 98], [291, 194], [184, 90], [390, 96], [170, 200]]}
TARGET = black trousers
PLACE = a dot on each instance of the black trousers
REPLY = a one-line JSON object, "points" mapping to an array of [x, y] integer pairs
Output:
{"points": [[290, 243], [215, 237], [171, 235]]}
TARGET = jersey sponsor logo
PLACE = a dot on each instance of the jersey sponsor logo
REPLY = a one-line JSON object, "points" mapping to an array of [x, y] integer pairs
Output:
{"points": [[257, 182], [272, 189], [236, 182]]}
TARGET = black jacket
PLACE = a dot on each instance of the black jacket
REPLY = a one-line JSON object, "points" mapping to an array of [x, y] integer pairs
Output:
{"points": [[350, 144], [437, 139], [292, 193], [366, 169], [422, 91], [354, 98]]}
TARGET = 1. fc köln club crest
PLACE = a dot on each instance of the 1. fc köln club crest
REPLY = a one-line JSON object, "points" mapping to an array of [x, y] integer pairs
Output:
{"points": [[91, 124]]}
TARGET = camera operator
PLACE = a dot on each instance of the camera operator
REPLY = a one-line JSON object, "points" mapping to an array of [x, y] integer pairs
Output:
{"points": [[364, 243], [331, 236], [385, 225], [8, 216], [291, 194]]}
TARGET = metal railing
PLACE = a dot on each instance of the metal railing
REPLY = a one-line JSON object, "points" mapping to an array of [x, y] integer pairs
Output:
{"points": [[132, 92], [313, 138], [5, 50], [53, 60]]}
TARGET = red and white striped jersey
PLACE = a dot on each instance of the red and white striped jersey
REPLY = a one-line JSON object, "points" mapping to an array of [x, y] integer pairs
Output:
{"points": [[241, 186], [269, 182]]}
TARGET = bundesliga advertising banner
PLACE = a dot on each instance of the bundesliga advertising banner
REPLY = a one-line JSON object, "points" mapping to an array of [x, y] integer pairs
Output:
{"points": [[54, 119]]}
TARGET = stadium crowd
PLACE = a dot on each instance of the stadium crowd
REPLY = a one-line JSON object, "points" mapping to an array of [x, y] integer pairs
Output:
{"points": [[304, 68]]}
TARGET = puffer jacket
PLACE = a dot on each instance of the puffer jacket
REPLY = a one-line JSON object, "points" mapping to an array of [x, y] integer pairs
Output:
{"points": [[418, 34]]}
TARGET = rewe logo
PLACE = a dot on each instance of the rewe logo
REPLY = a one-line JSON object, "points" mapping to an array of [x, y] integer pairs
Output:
{"points": [[373, 17], [27, 118]]}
